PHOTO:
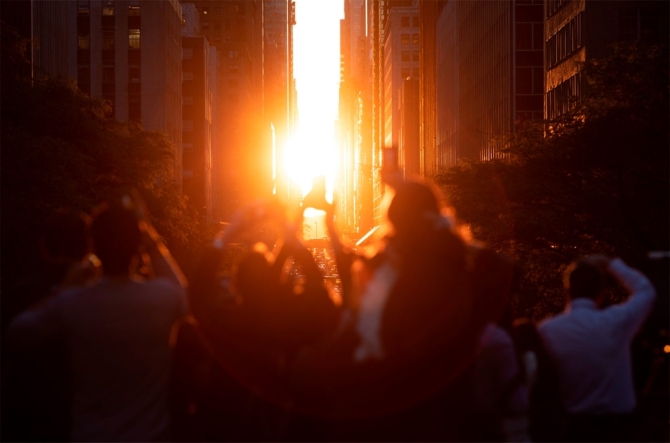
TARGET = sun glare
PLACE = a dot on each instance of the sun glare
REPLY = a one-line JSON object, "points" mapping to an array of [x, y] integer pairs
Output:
{"points": [[310, 154], [313, 151]]}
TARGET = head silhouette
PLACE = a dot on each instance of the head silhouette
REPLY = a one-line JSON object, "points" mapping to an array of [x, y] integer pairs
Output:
{"points": [[584, 279], [116, 238]]}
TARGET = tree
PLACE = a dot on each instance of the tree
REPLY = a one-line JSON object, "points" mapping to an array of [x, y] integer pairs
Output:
{"points": [[61, 149], [594, 180]]}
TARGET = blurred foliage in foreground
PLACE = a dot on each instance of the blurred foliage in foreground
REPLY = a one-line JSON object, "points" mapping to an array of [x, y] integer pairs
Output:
{"points": [[593, 181]]}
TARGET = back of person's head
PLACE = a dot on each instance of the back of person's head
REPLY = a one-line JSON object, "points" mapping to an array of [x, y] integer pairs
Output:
{"points": [[64, 237], [419, 228], [414, 205], [584, 279], [253, 279], [116, 237]]}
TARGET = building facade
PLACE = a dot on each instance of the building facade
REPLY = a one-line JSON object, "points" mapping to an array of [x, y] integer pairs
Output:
{"points": [[401, 61], [129, 53], [577, 29], [488, 73], [199, 88]]}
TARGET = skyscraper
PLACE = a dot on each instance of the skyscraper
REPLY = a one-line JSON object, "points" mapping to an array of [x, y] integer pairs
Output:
{"points": [[489, 75], [199, 87], [575, 30]]}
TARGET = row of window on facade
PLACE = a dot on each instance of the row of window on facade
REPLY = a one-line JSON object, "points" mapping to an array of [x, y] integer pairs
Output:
{"points": [[405, 56], [405, 39], [563, 97], [565, 42], [84, 8], [109, 39], [406, 72], [405, 22], [236, 7]]}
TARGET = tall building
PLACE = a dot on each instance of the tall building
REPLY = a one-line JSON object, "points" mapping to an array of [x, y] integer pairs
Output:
{"points": [[410, 155], [200, 80], [129, 52], [280, 103], [377, 16], [489, 75], [575, 30], [428, 13], [241, 164], [354, 181], [401, 61]]}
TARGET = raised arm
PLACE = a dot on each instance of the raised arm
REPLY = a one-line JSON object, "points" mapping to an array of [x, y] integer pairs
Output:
{"points": [[637, 308]]}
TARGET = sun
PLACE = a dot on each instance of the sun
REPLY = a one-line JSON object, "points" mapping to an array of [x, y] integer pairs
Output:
{"points": [[310, 154]]}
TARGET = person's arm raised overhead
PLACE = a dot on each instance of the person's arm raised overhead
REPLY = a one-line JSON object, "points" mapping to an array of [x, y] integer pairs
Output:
{"points": [[162, 262], [637, 308]]}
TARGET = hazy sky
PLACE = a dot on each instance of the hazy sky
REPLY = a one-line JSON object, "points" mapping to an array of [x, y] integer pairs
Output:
{"points": [[317, 71], [317, 60]]}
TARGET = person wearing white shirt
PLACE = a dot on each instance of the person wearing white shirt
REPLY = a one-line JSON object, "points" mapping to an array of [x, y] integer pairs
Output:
{"points": [[591, 349]]}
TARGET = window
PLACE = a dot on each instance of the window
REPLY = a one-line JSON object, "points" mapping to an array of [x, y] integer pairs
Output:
{"points": [[187, 125], [134, 74], [638, 24], [108, 8], [205, 24], [554, 5], [134, 10], [233, 69], [217, 11], [404, 22], [134, 110], [404, 56], [415, 72], [107, 39], [564, 43], [108, 74], [134, 38], [233, 54], [83, 7], [415, 56], [217, 39], [415, 39], [404, 39], [187, 53], [188, 100], [404, 72], [84, 42], [188, 76], [83, 74], [415, 22], [217, 26]]}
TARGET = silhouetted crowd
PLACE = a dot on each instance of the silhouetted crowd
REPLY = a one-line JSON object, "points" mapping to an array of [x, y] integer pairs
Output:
{"points": [[418, 344]]}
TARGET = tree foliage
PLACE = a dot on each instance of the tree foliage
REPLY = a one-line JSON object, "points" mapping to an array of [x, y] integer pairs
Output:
{"points": [[593, 181], [61, 149]]}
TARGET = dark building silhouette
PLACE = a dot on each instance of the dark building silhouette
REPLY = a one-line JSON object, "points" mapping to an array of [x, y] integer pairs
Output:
{"points": [[580, 29], [199, 87], [125, 51], [489, 75], [409, 148]]}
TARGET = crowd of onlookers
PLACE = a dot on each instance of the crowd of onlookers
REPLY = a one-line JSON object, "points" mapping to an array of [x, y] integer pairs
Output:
{"points": [[419, 344]]}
